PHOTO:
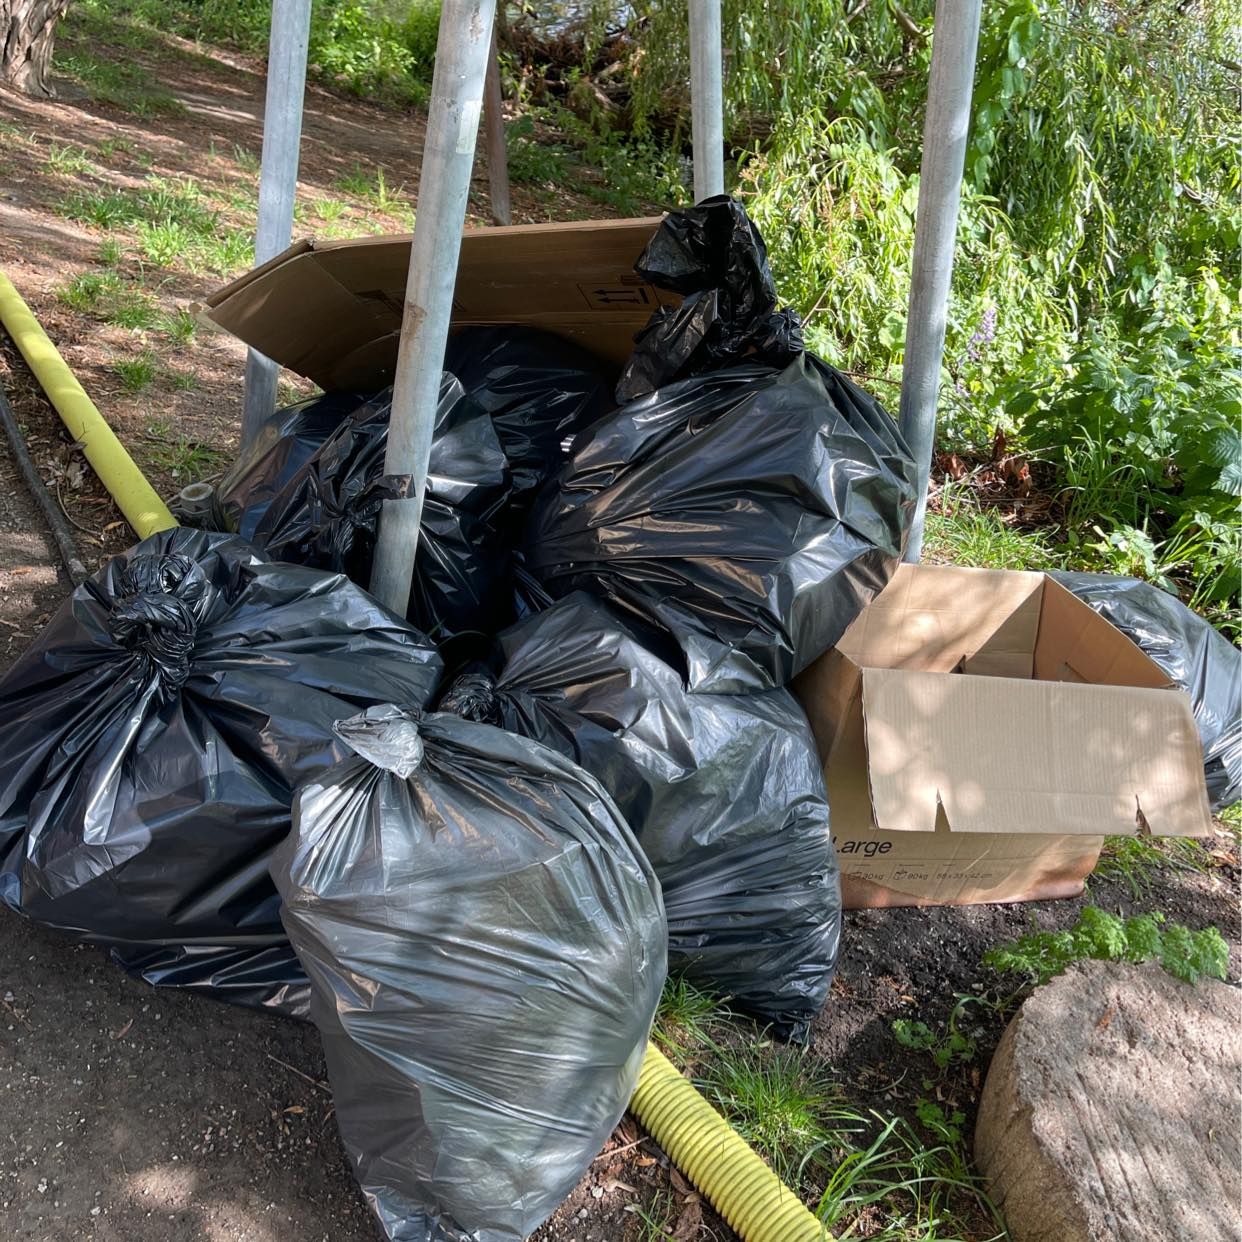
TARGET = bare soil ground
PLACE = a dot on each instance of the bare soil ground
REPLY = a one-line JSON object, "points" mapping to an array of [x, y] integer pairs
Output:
{"points": [[134, 1115]]}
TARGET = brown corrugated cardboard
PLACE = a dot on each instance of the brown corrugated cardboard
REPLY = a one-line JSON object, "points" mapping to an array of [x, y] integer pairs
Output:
{"points": [[981, 731], [332, 310]]}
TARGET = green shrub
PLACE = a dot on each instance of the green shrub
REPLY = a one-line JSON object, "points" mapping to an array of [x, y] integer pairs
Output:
{"points": [[1105, 937]]}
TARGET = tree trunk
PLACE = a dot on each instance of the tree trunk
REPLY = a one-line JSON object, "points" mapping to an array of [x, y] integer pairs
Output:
{"points": [[27, 29]]}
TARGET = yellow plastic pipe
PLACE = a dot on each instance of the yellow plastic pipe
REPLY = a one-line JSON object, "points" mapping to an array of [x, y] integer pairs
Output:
{"points": [[135, 497], [757, 1204]]}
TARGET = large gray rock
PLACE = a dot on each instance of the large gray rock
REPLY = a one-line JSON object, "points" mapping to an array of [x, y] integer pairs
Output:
{"points": [[1111, 1110]]}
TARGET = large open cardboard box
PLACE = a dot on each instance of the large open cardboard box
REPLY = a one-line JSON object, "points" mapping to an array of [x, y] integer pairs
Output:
{"points": [[331, 311], [981, 731]]}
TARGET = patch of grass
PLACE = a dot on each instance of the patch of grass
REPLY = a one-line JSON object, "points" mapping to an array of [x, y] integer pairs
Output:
{"points": [[778, 1099], [373, 188], [114, 146], [686, 1019], [246, 159], [66, 159], [962, 533], [89, 290], [111, 252], [1136, 861], [136, 374], [921, 1191], [164, 242], [104, 209], [183, 381], [185, 459], [132, 310], [228, 252], [124, 84], [106, 297], [656, 1218], [329, 209], [1105, 937], [178, 325]]}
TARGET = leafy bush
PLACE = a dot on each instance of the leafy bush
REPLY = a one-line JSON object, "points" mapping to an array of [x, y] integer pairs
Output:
{"points": [[1105, 937]]}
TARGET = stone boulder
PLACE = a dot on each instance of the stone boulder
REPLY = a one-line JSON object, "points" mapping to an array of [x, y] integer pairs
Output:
{"points": [[1111, 1110]]}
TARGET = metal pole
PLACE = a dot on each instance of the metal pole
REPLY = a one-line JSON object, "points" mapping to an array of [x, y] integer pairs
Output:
{"points": [[955, 39], [706, 98], [278, 178], [497, 153], [444, 186]]}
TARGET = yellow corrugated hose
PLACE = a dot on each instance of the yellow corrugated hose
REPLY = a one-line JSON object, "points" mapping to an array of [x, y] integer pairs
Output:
{"points": [[135, 497], [735, 1181]]}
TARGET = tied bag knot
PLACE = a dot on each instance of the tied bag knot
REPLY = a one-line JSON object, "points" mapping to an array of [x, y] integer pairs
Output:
{"points": [[155, 615], [473, 697]]}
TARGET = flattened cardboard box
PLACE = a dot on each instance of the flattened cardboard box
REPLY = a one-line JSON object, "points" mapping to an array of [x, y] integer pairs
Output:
{"points": [[982, 731], [331, 311]]}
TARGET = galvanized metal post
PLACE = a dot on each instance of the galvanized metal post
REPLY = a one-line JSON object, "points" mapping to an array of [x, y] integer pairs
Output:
{"points": [[444, 187], [278, 178], [497, 151], [955, 39], [706, 98]]}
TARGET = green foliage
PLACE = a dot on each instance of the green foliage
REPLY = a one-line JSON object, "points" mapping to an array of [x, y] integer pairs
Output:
{"points": [[136, 374], [962, 532], [778, 1099], [125, 85], [1105, 937], [66, 159], [379, 48], [1136, 861], [178, 325], [686, 1020], [948, 1047], [109, 298], [185, 459]]}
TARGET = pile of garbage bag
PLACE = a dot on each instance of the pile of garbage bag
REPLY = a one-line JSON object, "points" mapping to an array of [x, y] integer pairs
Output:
{"points": [[724, 793], [221, 760], [486, 945], [752, 509], [310, 487], [154, 734]]}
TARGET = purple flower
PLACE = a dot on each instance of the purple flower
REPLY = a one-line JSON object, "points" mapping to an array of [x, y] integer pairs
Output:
{"points": [[984, 334]]}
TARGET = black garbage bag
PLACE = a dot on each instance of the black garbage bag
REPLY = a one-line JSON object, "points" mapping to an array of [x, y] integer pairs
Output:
{"points": [[713, 255], [724, 793], [283, 445], [485, 945], [153, 735], [751, 512], [538, 390], [1194, 657], [327, 513]]}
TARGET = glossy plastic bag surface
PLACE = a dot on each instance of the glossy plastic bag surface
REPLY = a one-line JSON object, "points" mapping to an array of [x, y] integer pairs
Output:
{"points": [[751, 512], [714, 256], [538, 390], [724, 793], [486, 947], [283, 445], [327, 514], [153, 735], [1194, 656]]}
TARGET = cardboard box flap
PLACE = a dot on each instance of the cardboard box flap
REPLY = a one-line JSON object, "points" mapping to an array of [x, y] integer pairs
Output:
{"points": [[332, 311], [941, 618], [998, 754], [1076, 644]]}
